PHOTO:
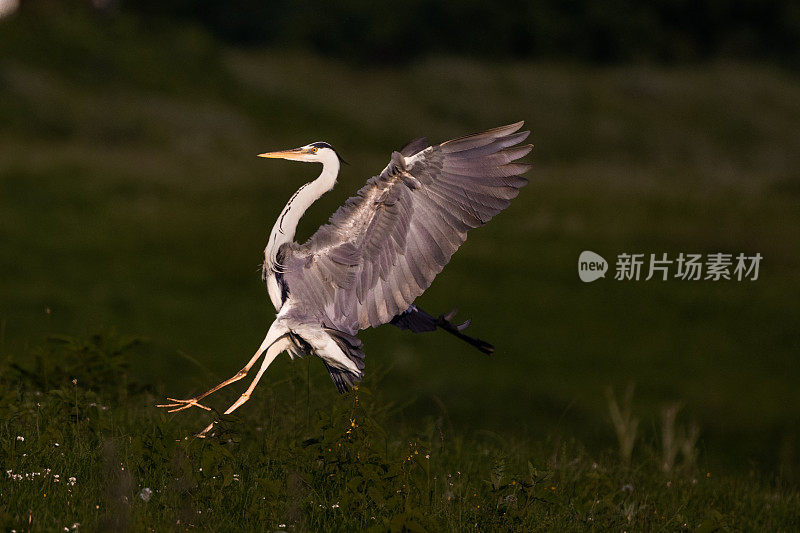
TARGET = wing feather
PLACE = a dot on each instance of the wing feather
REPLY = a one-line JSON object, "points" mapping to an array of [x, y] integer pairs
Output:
{"points": [[383, 248]]}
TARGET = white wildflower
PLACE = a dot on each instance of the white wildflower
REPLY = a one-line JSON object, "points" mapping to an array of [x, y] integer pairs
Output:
{"points": [[146, 494], [72, 481], [20, 438]]}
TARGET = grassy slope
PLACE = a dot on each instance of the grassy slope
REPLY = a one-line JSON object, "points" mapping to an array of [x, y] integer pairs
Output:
{"points": [[130, 197], [92, 455]]}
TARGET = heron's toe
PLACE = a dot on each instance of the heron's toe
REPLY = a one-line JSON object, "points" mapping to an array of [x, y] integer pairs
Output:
{"points": [[180, 405]]}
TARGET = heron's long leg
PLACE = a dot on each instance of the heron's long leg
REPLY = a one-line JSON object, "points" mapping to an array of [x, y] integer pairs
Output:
{"points": [[274, 333], [272, 352], [180, 405]]}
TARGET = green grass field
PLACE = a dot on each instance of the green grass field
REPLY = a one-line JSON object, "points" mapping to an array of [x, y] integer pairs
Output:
{"points": [[91, 453], [131, 200]]}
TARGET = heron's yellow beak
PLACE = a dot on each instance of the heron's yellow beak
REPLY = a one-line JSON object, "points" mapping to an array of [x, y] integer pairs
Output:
{"points": [[295, 154]]}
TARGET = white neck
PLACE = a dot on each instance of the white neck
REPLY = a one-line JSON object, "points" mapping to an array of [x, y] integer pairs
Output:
{"points": [[284, 229]]}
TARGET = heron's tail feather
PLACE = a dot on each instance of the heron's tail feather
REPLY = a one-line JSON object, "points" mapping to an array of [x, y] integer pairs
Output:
{"points": [[418, 321], [343, 379], [351, 346]]}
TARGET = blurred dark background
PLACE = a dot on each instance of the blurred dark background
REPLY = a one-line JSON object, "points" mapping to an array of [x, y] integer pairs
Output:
{"points": [[130, 197], [615, 31]]}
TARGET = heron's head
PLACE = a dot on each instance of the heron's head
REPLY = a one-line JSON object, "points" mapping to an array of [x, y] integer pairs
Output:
{"points": [[318, 152]]}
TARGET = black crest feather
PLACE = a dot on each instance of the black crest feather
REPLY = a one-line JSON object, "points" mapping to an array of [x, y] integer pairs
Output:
{"points": [[322, 144]]}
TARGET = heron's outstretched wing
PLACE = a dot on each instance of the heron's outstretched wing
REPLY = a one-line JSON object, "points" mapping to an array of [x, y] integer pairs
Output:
{"points": [[383, 248]]}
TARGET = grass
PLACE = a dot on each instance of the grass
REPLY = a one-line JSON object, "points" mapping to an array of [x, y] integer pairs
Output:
{"points": [[91, 453], [130, 197]]}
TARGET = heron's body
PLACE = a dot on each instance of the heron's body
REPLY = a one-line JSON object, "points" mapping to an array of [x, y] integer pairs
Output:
{"points": [[379, 251]]}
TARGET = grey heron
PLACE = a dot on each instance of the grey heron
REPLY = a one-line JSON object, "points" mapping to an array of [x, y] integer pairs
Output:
{"points": [[379, 251]]}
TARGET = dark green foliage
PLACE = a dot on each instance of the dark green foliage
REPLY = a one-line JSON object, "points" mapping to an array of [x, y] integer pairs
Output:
{"points": [[73, 455], [610, 31], [93, 362]]}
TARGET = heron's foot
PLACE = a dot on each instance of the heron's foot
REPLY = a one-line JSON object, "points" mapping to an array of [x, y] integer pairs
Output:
{"points": [[180, 405], [203, 434]]}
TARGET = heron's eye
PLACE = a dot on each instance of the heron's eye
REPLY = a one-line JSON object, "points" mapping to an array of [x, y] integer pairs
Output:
{"points": [[313, 149]]}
